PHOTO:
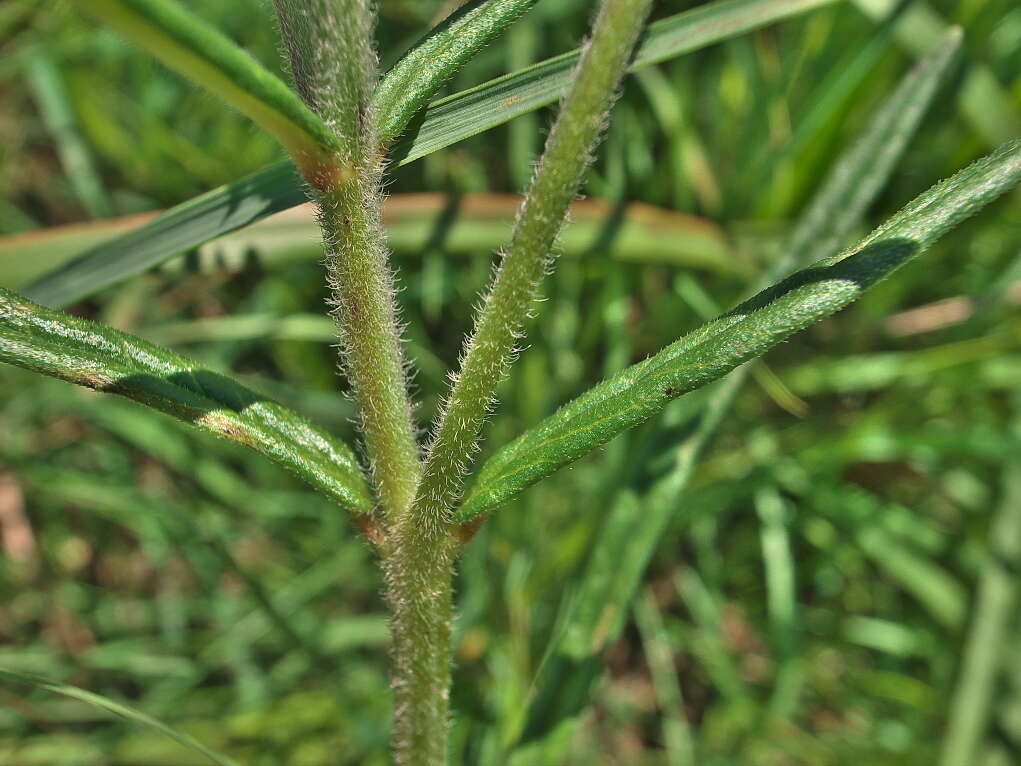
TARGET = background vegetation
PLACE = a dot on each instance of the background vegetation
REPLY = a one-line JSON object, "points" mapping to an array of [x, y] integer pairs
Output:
{"points": [[812, 597]]}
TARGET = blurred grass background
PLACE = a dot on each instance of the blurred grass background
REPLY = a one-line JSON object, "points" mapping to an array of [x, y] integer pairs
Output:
{"points": [[812, 598]]}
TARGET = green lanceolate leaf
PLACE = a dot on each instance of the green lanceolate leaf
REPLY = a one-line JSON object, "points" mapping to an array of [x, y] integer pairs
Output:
{"points": [[444, 122], [199, 52], [104, 359], [633, 528], [741, 334], [179, 229], [415, 79], [465, 225], [850, 186], [125, 712]]}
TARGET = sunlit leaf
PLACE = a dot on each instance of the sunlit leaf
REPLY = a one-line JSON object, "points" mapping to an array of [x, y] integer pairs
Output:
{"points": [[101, 358], [741, 334], [200, 52]]}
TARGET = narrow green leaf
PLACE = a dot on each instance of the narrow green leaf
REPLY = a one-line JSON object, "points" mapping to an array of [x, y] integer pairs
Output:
{"points": [[982, 100], [50, 92], [415, 79], [444, 122], [780, 570], [931, 585], [493, 103], [200, 52], [632, 530], [104, 359], [181, 228], [118, 709], [862, 171], [605, 593], [459, 225], [742, 334], [659, 655]]}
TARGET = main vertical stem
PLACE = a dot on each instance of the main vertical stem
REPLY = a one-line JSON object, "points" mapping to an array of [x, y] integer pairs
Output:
{"points": [[420, 593]]}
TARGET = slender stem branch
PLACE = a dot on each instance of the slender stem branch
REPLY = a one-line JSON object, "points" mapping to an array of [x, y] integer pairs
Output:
{"points": [[329, 44], [363, 298], [505, 308]]}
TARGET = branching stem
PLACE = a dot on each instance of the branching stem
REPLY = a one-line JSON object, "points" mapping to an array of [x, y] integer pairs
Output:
{"points": [[506, 306], [423, 543]]}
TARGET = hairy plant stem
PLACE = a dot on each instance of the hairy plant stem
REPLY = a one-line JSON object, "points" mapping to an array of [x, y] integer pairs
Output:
{"points": [[420, 593], [333, 63], [363, 293], [423, 545], [506, 306]]}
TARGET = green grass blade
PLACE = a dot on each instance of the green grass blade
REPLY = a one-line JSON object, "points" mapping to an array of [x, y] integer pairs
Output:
{"points": [[181, 228], [493, 103], [444, 122], [780, 571], [628, 537], [982, 101], [186, 44], [680, 747], [123, 711], [742, 334], [779, 566], [417, 77], [104, 359], [925, 580], [466, 225], [995, 605], [861, 172], [57, 112]]}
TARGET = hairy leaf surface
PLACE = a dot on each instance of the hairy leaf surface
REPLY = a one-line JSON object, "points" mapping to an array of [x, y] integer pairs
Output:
{"points": [[104, 359], [741, 334], [415, 79]]}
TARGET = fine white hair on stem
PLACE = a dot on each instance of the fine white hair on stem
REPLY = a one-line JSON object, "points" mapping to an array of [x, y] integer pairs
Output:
{"points": [[510, 299], [334, 65], [333, 61]]}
